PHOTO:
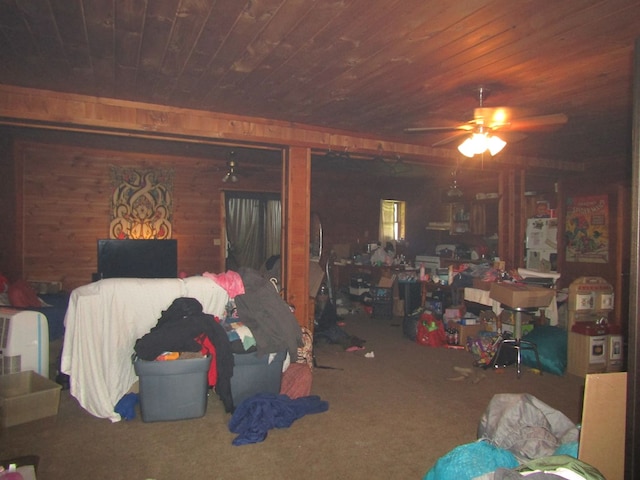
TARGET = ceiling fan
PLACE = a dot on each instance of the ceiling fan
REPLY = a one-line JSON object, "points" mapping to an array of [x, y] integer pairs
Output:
{"points": [[487, 122]]}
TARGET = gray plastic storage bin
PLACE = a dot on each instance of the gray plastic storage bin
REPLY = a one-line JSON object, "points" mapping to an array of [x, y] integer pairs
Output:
{"points": [[254, 374], [174, 389]]}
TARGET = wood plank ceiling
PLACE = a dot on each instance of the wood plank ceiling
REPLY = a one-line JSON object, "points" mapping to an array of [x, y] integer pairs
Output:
{"points": [[368, 66]]}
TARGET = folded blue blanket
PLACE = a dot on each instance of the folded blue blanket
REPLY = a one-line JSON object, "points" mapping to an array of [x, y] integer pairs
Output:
{"points": [[256, 415]]}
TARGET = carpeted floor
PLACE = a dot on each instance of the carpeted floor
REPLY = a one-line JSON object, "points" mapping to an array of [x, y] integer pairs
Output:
{"points": [[393, 411]]}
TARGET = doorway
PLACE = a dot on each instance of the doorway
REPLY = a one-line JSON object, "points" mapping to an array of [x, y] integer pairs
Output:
{"points": [[253, 227]]}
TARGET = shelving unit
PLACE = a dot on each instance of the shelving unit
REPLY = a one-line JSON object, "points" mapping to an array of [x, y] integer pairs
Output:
{"points": [[470, 217], [460, 219]]}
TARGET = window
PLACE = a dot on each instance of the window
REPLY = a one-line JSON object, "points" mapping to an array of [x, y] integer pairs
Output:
{"points": [[392, 215]]}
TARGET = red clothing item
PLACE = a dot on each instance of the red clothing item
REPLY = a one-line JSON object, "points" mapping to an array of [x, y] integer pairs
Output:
{"points": [[21, 294], [209, 349]]}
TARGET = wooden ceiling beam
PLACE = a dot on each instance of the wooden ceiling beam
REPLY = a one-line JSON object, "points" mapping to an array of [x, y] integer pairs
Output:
{"points": [[63, 111]]}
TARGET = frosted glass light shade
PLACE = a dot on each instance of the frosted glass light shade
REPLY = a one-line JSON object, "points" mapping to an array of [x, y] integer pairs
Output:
{"points": [[479, 143]]}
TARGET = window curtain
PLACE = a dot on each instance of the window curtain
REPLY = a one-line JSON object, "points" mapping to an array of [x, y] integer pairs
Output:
{"points": [[273, 225], [253, 225], [387, 221]]}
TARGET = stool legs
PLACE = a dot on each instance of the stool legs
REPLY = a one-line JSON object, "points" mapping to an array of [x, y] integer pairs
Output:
{"points": [[519, 344]]}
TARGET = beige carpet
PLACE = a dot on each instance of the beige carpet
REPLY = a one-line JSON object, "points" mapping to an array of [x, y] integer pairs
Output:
{"points": [[390, 417]]}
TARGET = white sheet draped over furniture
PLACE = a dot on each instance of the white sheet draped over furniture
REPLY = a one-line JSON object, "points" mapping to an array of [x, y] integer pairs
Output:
{"points": [[103, 321]]}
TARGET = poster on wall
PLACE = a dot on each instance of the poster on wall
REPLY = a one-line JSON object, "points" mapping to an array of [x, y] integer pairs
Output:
{"points": [[587, 229], [141, 204]]}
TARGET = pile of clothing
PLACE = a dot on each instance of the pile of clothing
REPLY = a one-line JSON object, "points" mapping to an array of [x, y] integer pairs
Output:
{"points": [[183, 327], [257, 319]]}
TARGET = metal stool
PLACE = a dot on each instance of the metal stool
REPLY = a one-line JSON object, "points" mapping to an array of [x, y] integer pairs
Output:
{"points": [[517, 342]]}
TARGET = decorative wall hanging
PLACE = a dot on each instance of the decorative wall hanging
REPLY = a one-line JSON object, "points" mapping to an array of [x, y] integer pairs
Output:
{"points": [[587, 229], [141, 204]]}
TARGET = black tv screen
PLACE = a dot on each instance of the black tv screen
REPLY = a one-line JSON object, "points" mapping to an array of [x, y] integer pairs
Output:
{"points": [[137, 258]]}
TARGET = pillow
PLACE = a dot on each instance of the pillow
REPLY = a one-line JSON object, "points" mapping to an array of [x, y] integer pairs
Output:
{"points": [[552, 349], [21, 294]]}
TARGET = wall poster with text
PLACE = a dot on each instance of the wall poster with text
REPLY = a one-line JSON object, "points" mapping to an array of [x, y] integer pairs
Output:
{"points": [[587, 229]]}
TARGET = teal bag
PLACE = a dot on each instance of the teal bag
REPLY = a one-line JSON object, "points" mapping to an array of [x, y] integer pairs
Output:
{"points": [[551, 343]]}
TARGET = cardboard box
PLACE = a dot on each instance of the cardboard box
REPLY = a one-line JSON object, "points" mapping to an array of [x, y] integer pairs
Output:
{"points": [[482, 285], [586, 354], [398, 307], [521, 296], [466, 331], [602, 433], [454, 312], [27, 396]]}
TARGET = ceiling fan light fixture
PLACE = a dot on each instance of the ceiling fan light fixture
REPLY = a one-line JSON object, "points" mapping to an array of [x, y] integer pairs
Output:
{"points": [[230, 176], [495, 145], [467, 148], [479, 143], [454, 191]]}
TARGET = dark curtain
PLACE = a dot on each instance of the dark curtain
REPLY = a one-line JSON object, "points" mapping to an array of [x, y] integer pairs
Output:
{"points": [[253, 226]]}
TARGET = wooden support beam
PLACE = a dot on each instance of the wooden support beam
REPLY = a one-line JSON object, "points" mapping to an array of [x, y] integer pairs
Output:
{"points": [[297, 207], [64, 111]]}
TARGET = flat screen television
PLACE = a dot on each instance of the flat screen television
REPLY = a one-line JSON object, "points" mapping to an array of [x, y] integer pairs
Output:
{"points": [[137, 258]]}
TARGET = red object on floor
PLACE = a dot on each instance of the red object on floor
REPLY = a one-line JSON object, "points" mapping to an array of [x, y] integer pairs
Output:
{"points": [[296, 381]]}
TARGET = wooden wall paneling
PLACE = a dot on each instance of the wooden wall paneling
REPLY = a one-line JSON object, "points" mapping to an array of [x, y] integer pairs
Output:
{"points": [[632, 443], [348, 210], [349, 205], [523, 216], [67, 190], [561, 212], [622, 258], [508, 215], [66, 208], [478, 223], [197, 224], [19, 172], [297, 208], [10, 214], [503, 215], [512, 213]]}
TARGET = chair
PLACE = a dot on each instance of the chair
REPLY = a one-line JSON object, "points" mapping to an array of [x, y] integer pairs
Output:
{"points": [[517, 343]]}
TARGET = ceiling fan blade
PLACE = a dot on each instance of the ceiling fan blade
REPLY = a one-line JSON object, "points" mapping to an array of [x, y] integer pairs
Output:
{"points": [[437, 129], [540, 122], [511, 136], [450, 139], [494, 117]]}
